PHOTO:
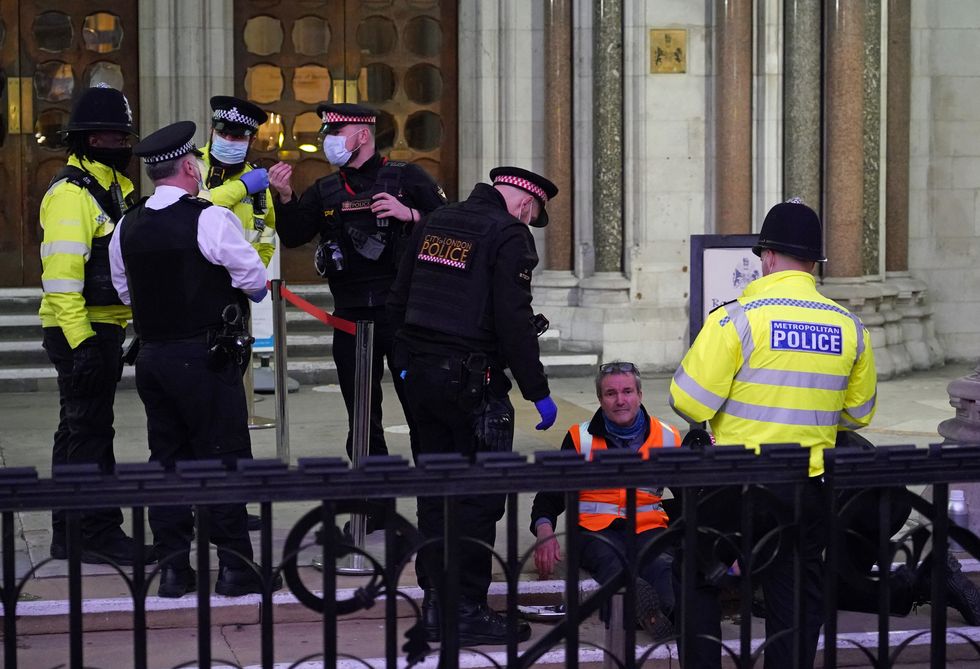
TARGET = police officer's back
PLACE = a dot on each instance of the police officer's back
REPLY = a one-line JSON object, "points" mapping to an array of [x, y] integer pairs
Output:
{"points": [[462, 301]]}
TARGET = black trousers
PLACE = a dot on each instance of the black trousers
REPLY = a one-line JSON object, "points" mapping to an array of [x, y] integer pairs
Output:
{"points": [[604, 562], [85, 431], [777, 581], [344, 357], [445, 425], [194, 413]]}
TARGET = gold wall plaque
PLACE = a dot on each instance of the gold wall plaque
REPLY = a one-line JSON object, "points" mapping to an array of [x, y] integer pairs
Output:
{"points": [[668, 51]]}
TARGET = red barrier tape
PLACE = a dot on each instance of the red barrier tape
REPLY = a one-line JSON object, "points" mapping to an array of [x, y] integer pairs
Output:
{"points": [[317, 313]]}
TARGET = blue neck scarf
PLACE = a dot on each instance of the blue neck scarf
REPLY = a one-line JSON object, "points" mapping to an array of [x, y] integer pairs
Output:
{"points": [[631, 436]]}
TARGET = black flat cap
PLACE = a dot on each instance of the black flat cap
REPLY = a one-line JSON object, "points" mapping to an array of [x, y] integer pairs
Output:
{"points": [[541, 188], [338, 115], [168, 143], [235, 116]]}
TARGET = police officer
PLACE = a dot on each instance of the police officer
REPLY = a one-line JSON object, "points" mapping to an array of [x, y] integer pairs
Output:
{"points": [[781, 364], [462, 301], [362, 214], [186, 269], [81, 314], [235, 184]]}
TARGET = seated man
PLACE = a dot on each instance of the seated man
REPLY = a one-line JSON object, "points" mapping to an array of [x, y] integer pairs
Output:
{"points": [[620, 422]]}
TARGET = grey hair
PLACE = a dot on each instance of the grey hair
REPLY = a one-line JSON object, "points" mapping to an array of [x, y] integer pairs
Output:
{"points": [[616, 367], [162, 170]]}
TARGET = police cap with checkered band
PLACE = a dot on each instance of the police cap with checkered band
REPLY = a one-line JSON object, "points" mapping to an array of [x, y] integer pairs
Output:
{"points": [[542, 189], [236, 117], [168, 143], [336, 116], [101, 108], [794, 229]]}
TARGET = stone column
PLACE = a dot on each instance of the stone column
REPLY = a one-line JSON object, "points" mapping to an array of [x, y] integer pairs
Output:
{"points": [[899, 97], [844, 175], [607, 98], [870, 256], [845, 138], [733, 116], [802, 126], [558, 130]]}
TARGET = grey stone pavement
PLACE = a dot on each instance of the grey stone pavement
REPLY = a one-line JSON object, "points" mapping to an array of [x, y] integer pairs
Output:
{"points": [[909, 409]]}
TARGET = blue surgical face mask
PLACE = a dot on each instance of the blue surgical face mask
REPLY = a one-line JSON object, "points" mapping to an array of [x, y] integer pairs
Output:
{"points": [[228, 151], [335, 149]]}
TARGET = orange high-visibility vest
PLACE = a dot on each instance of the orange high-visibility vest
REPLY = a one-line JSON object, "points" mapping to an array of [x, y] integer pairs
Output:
{"points": [[597, 509]]}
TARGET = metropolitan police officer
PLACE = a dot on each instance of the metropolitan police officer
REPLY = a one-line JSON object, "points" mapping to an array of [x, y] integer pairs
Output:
{"points": [[781, 364], [235, 184], [363, 214], [462, 302], [82, 317], [187, 270]]}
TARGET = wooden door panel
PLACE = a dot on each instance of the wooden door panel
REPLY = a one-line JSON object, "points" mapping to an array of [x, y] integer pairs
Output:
{"points": [[398, 57], [11, 162]]}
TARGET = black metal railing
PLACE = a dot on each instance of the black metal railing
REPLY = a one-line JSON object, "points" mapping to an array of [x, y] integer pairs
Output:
{"points": [[332, 488]]}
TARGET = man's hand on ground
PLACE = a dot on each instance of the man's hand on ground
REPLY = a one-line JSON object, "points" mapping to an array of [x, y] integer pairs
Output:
{"points": [[548, 551]]}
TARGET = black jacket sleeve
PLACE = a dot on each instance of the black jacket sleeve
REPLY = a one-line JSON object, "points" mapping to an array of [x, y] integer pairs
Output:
{"points": [[398, 296], [421, 190], [297, 222], [513, 316], [548, 504]]}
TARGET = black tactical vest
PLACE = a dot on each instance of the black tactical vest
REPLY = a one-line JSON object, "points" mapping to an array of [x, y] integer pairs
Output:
{"points": [[98, 290], [367, 243], [176, 293], [451, 281]]}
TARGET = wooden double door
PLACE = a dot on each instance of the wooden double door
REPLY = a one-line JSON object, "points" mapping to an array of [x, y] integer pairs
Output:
{"points": [[396, 56], [49, 51]]}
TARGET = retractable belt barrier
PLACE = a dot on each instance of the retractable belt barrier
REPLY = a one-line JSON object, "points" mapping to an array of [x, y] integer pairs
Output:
{"points": [[363, 361]]}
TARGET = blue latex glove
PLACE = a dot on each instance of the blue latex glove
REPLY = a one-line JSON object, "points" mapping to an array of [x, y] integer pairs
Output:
{"points": [[403, 374], [255, 181], [259, 296], [548, 411]]}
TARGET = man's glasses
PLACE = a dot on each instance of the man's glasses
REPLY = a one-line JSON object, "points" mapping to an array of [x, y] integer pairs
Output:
{"points": [[618, 368]]}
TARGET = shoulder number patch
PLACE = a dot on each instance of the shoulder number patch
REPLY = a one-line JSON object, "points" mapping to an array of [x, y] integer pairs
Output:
{"points": [[806, 337], [446, 251]]}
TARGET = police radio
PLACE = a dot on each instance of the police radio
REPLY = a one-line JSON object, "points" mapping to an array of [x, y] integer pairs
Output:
{"points": [[260, 208]]}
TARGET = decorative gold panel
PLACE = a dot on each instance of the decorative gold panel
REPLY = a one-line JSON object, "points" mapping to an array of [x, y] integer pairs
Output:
{"points": [[668, 51]]}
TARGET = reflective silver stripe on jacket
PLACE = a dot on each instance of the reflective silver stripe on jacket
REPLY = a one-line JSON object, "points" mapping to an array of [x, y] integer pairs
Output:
{"points": [[768, 414], [695, 390], [585, 440], [49, 249], [615, 509], [62, 285]]}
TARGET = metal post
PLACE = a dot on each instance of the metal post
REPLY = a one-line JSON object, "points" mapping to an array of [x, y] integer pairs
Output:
{"points": [[615, 634], [363, 360], [279, 356], [254, 422]]}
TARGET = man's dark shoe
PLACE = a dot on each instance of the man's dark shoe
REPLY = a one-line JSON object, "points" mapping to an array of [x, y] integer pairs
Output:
{"points": [[478, 625], [430, 615], [118, 549], [962, 592], [649, 615], [254, 522], [236, 582], [176, 582]]}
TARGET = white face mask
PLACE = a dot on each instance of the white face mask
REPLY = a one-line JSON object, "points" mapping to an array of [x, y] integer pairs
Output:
{"points": [[228, 151], [335, 149]]}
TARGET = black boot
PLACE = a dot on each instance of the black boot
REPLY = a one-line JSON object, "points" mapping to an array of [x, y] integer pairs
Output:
{"points": [[649, 616], [962, 592], [479, 624], [430, 615]]}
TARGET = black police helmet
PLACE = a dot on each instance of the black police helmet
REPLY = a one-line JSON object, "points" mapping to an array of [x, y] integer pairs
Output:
{"points": [[792, 228], [101, 108]]}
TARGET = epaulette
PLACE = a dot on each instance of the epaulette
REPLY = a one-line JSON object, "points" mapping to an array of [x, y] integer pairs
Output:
{"points": [[723, 304], [199, 201]]}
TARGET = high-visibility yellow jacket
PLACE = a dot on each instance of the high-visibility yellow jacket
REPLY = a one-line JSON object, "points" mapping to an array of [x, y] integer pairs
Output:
{"points": [[233, 195], [599, 508], [71, 219], [781, 364]]}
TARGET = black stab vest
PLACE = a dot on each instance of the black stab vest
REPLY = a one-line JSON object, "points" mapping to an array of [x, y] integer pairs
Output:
{"points": [[175, 292], [451, 289]]}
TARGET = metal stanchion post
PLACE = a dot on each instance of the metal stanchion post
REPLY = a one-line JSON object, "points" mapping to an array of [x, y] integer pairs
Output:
{"points": [[254, 422], [279, 355], [363, 355]]}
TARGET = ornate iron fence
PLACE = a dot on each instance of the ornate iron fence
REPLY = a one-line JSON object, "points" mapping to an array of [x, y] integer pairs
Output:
{"points": [[333, 488]]}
